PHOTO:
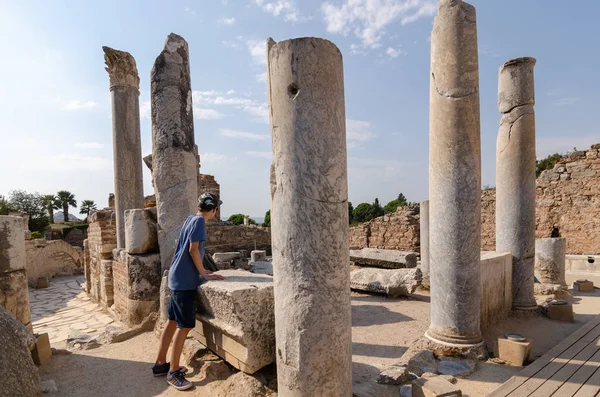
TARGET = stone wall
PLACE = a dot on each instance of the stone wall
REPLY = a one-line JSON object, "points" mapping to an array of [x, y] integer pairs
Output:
{"points": [[488, 220], [102, 239], [49, 258], [226, 238], [397, 231], [75, 235]]}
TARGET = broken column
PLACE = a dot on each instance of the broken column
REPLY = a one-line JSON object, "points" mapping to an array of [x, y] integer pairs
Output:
{"points": [[174, 159], [550, 257], [454, 178], [309, 180], [515, 176], [424, 238], [14, 295], [127, 146]]}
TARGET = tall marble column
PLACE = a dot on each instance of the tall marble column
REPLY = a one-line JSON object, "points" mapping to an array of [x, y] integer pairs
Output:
{"points": [[174, 152], [454, 177], [515, 176], [127, 146], [424, 239], [309, 204]]}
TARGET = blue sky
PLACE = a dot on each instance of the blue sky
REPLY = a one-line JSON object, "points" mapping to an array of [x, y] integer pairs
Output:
{"points": [[55, 103]]}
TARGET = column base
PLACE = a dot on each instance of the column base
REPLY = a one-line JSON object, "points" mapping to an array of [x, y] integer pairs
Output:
{"points": [[444, 345], [525, 306]]}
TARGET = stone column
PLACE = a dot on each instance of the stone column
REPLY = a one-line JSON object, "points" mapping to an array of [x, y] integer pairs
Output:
{"points": [[454, 177], [309, 204], [174, 158], [424, 240], [550, 255], [127, 146], [515, 176]]}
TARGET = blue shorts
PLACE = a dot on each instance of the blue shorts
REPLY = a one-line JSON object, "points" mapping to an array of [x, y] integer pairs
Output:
{"points": [[182, 308]]}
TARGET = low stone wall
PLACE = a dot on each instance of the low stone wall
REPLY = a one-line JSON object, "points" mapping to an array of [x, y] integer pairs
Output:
{"points": [[230, 238], [397, 231], [102, 239], [496, 287], [49, 258]]}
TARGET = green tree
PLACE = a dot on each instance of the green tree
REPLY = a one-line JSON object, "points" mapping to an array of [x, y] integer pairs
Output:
{"points": [[50, 203], [547, 163], [65, 199], [401, 198], [33, 205], [238, 219], [362, 213], [5, 206], [393, 205], [376, 209], [350, 213], [87, 207], [267, 221]]}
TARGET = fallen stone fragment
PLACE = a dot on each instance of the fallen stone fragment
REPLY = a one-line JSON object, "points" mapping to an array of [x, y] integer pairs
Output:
{"points": [[48, 386], [394, 375], [434, 387], [226, 256], [83, 342], [42, 351], [388, 259], [399, 282], [456, 366], [240, 385], [422, 362], [258, 256], [260, 267], [449, 378]]}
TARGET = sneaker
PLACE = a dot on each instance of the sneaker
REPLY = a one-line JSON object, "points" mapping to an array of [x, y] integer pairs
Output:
{"points": [[163, 369], [178, 381]]}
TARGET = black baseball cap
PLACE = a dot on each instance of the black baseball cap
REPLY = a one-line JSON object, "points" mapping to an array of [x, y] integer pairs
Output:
{"points": [[208, 201]]}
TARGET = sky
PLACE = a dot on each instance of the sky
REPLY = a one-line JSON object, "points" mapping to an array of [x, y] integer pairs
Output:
{"points": [[55, 110]]}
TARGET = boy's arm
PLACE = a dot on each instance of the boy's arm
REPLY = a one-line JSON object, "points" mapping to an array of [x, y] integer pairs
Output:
{"points": [[195, 253]]}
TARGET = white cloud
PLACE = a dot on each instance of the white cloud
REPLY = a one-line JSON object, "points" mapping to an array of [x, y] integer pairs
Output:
{"points": [[261, 77], [285, 8], [258, 51], [368, 19], [261, 112], [262, 155], [243, 135], [229, 44], [252, 107], [145, 110], [227, 21], [79, 105], [230, 92], [566, 101], [88, 145], [207, 114], [214, 158], [394, 53], [358, 132], [74, 161]]}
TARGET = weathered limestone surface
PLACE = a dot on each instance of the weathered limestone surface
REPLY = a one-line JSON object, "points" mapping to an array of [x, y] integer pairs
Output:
{"points": [[389, 259], [260, 267], [396, 231], [12, 243], [174, 153], [454, 177], [20, 377], [226, 256], [102, 239], [258, 256], [550, 257], [397, 282], [49, 258], [127, 146], [496, 287], [309, 176], [229, 238], [14, 295], [140, 231], [515, 176], [424, 230], [238, 319]]}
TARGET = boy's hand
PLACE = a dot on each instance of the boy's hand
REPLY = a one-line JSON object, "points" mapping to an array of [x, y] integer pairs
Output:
{"points": [[204, 273], [214, 277]]}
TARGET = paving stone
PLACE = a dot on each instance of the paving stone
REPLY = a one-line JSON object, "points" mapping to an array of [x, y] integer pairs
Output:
{"points": [[456, 366]]}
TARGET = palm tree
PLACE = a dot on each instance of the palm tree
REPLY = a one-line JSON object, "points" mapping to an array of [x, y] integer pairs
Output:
{"points": [[87, 207], [65, 199], [51, 204]]}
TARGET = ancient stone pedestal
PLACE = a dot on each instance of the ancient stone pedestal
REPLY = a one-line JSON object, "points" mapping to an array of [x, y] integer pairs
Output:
{"points": [[454, 178], [515, 176], [309, 180], [550, 255], [14, 295], [514, 352], [174, 152], [237, 319], [127, 146], [424, 227]]}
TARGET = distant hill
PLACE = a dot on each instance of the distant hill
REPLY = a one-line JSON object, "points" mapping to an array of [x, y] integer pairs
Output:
{"points": [[59, 217]]}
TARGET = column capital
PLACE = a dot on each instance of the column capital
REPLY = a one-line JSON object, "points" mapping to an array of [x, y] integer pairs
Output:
{"points": [[121, 68]]}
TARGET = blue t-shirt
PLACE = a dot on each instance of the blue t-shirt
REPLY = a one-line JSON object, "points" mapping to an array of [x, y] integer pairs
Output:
{"points": [[183, 275]]}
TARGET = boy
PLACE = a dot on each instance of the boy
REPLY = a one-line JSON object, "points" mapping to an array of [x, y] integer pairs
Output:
{"points": [[185, 276]]}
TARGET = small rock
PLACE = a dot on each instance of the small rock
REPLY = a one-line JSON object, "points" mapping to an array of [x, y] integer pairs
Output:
{"points": [[261, 267], [60, 352], [456, 366], [48, 386], [83, 342], [406, 391], [449, 378], [422, 362], [394, 375], [240, 385], [215, 370]]}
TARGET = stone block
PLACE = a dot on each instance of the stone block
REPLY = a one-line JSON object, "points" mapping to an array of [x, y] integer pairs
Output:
{"points": [[106, 283], [434, 387], [388, 259], [496, 286], [561, 312], [394, 375], [48, 387], [422, 362], [238, 319], [583, 285], [514, 352], [12, 247], [398, 282], [140, 231], [456, 366], [14, 295], [226, 256], [41, 282], [262, 268], [258, 256], [41, 353]]}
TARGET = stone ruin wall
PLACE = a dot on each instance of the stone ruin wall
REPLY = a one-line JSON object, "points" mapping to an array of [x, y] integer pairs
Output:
{"points": [[208, 184], [227, 238], [51, 258], [102, 239], [567, 198]]}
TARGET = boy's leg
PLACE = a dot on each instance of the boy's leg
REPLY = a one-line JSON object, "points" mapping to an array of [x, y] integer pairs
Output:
{"points": [[178, 342], [165, 341]]}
